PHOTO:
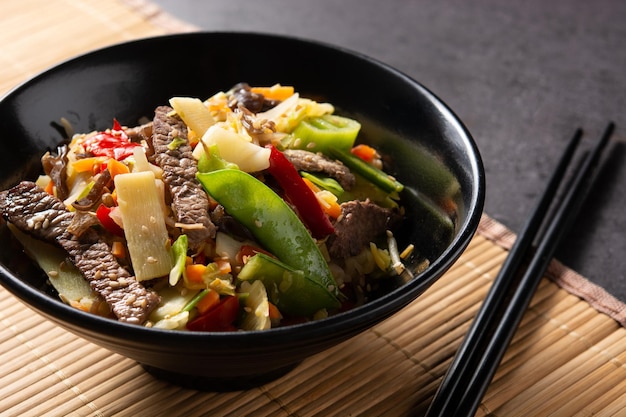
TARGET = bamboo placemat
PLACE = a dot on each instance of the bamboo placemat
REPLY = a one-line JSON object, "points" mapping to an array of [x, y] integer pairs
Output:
{"points": [[567, 358]]}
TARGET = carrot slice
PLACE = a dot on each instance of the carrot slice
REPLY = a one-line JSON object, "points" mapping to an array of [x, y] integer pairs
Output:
{"points": [[275, 92], [326, 199], [194, 272], [210, 300], [50, 187], [116, 167], [88, 164], [274, 312], [365, 152]]}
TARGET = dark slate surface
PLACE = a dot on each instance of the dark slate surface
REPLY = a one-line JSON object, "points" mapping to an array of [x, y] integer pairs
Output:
{"points": [[521, 75]]}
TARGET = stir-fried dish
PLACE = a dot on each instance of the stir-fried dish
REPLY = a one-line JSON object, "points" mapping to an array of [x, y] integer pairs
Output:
{"points": [[252, 209]]}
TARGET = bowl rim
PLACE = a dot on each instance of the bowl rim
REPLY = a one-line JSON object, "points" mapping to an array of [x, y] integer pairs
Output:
{"points": [[379, 309]]}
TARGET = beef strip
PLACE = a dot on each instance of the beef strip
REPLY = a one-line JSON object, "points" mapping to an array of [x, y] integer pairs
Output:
{"points": [[359, 224], [139, 133], [189, 201], [82, 221], [45, 217], [316, 162]]}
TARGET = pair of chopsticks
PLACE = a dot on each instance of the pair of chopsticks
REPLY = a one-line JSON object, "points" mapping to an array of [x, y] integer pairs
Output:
{"points": [[481, 351]]}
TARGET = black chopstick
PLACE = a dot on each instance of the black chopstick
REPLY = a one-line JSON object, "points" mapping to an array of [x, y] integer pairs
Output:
{"points": [[481, 351]]}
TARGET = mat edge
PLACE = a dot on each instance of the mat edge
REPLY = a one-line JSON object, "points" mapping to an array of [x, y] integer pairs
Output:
{"points": [[566, 278]]}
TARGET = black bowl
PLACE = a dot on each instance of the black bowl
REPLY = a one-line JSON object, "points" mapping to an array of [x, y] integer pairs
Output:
{"points": [[431, 151]]}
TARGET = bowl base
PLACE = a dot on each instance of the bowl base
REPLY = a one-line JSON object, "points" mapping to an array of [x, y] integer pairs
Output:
{"points": [[217, 384]]}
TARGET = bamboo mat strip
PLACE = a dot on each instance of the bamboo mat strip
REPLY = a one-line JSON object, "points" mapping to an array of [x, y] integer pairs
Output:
{"points": [[42, 33], [567, 357]]}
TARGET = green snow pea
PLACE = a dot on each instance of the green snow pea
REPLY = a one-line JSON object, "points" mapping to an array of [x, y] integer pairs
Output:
{"points": [[211, 160], [287, 288], [274, 225]]}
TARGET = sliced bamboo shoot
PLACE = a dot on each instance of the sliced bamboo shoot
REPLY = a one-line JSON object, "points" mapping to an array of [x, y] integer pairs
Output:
{"points": [[144, 224], [194, 113], [63, 275], [234, 148]]}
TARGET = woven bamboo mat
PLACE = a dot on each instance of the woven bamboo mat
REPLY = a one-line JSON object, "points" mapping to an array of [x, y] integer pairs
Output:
{"points": [[567, 358]]}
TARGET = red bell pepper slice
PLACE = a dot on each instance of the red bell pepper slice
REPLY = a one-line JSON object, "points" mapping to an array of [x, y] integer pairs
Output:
{"points": [[299, 194], [102, 213], [113, 143], [220, 318], [247, 251]]}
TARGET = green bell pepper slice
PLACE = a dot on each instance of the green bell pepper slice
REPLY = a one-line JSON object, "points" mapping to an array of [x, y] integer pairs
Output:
{"points": [[274, 225], [317, 134]]}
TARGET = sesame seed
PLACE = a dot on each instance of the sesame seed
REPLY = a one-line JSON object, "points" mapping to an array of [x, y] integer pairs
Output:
{"points": [[53, 273]]}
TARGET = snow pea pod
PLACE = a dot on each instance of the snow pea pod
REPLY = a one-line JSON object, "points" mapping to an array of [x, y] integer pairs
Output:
{"points": [[287, 288], [273, 223]]}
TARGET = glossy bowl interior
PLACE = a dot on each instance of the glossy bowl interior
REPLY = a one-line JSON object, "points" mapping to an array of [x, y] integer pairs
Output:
{"points": [[431, 152]]}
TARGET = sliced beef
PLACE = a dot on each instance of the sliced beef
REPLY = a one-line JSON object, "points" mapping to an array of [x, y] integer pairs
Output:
{"points": [[359, 224], [189, 201], [82, 221], [45, 217], [316, 162], [139, 133]]}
